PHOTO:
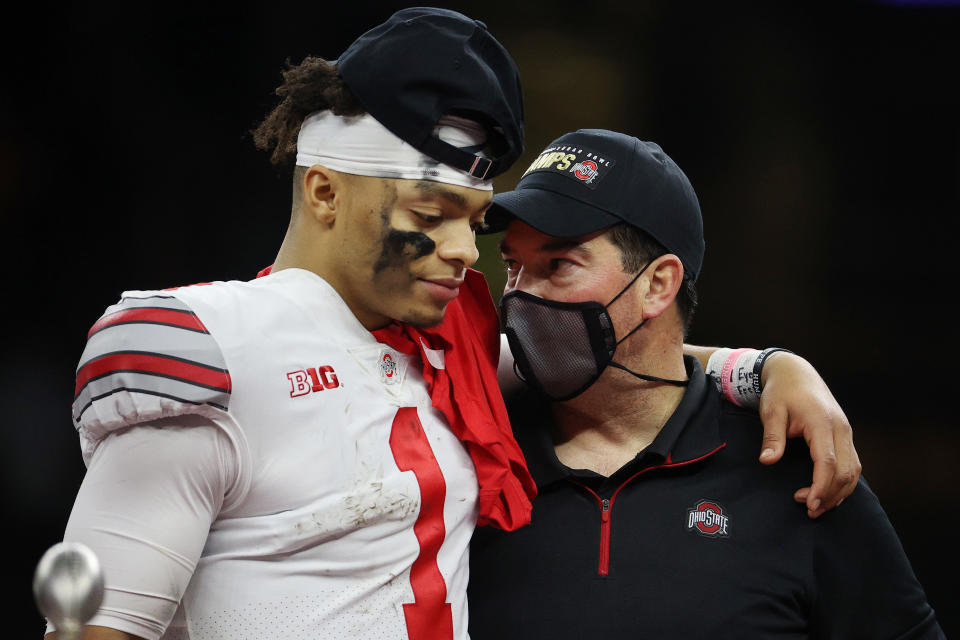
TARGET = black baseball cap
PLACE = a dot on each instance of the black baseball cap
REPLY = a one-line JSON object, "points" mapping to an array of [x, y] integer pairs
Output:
{"points": [[592, 179], [424, 63]]}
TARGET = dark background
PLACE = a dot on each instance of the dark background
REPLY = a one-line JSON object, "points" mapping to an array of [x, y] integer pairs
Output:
{"points": [[823, 140]]}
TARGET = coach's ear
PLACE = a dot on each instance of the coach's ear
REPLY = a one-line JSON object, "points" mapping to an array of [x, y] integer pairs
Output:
{"points": [[665, 275], [320, 190]]}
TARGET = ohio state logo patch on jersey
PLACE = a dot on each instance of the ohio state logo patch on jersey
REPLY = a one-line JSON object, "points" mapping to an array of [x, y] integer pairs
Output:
{"points": [[707, 519], [575, 162], [391, 366]]}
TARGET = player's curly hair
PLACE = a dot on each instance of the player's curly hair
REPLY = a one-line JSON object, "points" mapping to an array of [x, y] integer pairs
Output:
{"points": [[313, 85], [637, 248]]}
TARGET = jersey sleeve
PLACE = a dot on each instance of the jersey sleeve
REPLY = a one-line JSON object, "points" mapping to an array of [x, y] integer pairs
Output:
{"points": [[149, 356], [145, 507]]}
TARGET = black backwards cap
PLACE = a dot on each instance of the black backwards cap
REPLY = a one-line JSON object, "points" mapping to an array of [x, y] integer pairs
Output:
{"points": [[424, 63], [593, 179]]}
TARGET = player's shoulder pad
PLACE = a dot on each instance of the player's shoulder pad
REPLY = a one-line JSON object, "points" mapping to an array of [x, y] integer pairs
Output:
{"points": [[149, 356]]}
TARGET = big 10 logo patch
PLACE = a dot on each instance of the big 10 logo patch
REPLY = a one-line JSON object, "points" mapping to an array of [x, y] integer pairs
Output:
{"points": [[306, 381]]}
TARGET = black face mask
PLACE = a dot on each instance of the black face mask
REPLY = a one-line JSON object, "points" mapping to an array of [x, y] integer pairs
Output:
{"points": [[561, 348]]}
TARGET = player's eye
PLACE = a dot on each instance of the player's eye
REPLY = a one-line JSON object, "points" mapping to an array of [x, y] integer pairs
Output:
{"points": [[428, 218]]}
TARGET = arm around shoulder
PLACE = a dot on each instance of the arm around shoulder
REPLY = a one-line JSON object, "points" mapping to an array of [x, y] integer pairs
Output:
{"points": [[793, 401]]}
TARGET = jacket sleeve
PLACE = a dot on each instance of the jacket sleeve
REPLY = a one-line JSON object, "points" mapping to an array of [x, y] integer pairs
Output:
{"points": [[865, 586]]}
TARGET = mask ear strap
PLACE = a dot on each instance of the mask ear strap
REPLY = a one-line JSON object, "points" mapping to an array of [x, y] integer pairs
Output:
{"points": [[630, 284], [630, 334], [643, 376], [516, 371]]}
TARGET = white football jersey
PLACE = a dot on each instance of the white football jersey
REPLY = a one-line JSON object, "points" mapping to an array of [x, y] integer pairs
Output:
{"points": [[353, 503]]}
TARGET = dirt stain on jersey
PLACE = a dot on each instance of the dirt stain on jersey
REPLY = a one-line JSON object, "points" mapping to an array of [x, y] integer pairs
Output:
{"points": [[370, 503]]}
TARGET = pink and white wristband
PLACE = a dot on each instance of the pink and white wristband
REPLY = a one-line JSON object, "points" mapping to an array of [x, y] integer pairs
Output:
{"points": [[736, 372]]}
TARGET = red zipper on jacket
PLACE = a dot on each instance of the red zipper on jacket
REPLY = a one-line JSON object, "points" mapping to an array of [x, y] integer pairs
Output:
{"points": [[606, 506]]}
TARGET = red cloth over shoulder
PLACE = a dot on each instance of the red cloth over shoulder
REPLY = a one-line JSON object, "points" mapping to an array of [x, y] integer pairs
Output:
{"points": [[465, 390]]}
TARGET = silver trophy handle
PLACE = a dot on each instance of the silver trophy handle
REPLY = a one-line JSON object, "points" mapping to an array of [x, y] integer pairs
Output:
{"points": [[68, 587]]}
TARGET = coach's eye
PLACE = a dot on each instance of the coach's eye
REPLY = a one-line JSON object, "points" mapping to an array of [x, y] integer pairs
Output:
{"points": [[561, 266]]}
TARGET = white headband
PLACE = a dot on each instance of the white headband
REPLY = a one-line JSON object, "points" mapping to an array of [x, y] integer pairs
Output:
{"points": [[360, 145]]}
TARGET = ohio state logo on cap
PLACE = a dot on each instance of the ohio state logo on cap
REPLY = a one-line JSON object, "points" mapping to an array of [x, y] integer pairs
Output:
{"points": [[586, 170], [707, 519]]}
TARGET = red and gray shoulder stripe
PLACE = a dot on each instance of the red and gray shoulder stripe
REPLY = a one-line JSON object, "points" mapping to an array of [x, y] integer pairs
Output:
{"points": [[154, 345]]}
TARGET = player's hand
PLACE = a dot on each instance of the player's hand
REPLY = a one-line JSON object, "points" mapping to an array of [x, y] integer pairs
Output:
{"points": [[796, 402]]}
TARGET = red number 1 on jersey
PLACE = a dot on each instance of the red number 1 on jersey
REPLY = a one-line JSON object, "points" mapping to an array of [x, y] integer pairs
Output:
{"points": [[429, 616]]}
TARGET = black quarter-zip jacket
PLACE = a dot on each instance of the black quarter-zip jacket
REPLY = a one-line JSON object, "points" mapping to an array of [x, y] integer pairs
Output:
{"points": [[694, 538]]}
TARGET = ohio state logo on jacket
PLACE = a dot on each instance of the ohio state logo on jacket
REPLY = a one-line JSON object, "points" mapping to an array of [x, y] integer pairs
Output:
{"points": [[707, 519]]}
